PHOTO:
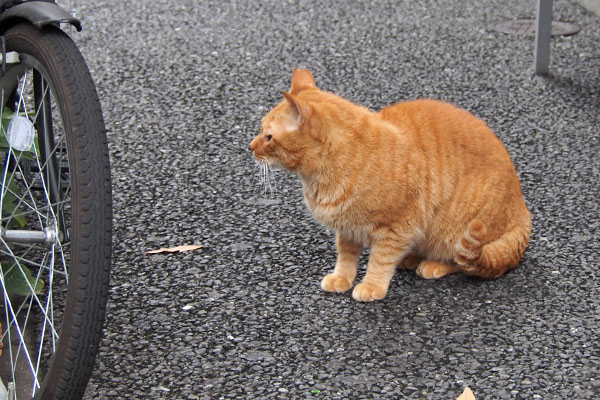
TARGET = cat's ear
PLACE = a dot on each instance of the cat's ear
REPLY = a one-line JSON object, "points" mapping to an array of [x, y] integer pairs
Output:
{"points": [[301, 111], [302, 79]]}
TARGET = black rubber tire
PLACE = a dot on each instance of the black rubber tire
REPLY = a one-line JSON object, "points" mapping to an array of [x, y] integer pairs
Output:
{"points": [[66, 71]]}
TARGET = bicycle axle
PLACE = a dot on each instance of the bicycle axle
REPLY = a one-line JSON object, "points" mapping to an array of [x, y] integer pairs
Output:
{"points": [[48, 236]]}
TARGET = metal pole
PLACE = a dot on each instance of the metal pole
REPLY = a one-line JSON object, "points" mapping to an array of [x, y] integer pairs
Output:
{"points": [[543, 33]]}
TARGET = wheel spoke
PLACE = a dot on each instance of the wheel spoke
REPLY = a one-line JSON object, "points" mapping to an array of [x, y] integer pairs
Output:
{"points": [[32, 291], [48, 310], [11, 317], [28, 193], [42, 267]]}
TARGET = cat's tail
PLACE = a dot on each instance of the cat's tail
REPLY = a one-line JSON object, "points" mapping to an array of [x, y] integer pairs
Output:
{"points": [[475, 256]]}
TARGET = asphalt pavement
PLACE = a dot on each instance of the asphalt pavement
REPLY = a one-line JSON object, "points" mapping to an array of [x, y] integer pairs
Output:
{"points": [[183, 86]]}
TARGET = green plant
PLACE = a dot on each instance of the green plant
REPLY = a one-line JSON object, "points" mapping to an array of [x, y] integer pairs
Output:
{"points": [[18, 280]]}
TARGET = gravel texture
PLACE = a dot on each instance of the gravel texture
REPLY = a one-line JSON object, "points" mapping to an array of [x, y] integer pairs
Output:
{"points": [[183, 86]]}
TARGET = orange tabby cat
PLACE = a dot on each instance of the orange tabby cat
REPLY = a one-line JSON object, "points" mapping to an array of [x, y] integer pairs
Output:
{"points": [[421, 183]]}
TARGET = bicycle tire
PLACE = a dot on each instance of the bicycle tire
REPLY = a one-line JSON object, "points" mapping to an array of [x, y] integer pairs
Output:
{"points": [[52, 55]]}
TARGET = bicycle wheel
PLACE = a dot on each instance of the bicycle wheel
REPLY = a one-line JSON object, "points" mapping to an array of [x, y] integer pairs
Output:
{"points": [[55, 234]]}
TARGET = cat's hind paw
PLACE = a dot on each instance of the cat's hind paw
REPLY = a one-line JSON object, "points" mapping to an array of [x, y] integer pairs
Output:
{"points": [[435, 270], [368, 292], [336, 283]]}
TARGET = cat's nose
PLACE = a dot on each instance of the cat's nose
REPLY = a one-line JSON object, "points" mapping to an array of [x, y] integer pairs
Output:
{"points": [[252, 144]]}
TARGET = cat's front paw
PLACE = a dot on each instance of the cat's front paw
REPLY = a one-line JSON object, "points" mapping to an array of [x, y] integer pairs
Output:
{"points": [[336, 283], [368, 292]]}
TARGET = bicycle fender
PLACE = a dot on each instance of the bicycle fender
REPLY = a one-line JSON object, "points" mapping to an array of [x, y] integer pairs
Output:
{"points": [[40, 14]]}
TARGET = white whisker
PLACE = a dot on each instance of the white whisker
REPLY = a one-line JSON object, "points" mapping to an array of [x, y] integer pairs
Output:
{"points": [[266, 178]]}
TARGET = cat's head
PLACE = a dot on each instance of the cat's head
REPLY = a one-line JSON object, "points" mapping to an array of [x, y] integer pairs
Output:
{"points": [[290, 131]]}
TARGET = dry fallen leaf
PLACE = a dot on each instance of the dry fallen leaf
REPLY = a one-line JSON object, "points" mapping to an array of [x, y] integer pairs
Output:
{"points": [[467, 395], [174, 249]]}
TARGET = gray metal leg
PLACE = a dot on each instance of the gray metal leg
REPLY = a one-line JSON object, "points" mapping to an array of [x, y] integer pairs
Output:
{"points": [[543, 34]]}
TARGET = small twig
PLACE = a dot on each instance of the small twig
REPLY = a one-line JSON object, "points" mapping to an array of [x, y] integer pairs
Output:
{"points": [[174, 249]]}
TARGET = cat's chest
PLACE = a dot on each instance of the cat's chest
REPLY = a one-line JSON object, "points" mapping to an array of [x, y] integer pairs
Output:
{"points": [[327, 209], [341, 217], [328, 216]]}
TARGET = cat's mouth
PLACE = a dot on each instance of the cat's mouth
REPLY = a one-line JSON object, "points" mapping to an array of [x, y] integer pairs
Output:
{"points": [[270, 162], [261, 159]]}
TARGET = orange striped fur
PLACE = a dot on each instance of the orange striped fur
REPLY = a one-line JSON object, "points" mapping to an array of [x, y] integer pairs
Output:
{"points": [[423, 184]]}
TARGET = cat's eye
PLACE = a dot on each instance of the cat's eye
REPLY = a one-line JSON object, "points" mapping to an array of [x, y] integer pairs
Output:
{"points": [[269, 137]]}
